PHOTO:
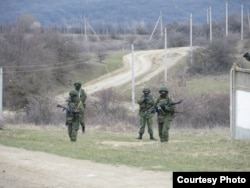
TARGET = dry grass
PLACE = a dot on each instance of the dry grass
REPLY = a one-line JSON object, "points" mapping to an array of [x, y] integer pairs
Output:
{"points": [[187, 150]]}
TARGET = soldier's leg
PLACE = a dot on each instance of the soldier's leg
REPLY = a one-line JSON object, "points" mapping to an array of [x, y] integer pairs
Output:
{"points": [[69, 124], [75, 128], [82, 122], [150, 125], [165, 130], [142, 124], [142, 127], [150, 128], [160, 126]]}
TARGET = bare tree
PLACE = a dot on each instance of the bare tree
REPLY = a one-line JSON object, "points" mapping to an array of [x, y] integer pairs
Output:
{"points": [[216, 58], [34, 61]]}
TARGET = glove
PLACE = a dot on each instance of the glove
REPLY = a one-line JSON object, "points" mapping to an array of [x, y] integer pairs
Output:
{"points": [[162, 106]]}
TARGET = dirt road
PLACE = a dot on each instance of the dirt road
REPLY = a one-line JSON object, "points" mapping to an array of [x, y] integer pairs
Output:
{"points": [[20, 168], [25, 169], [146, 63]]}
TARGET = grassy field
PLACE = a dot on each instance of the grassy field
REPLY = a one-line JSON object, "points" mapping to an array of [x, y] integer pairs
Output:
{"points": [[196, 84], [187, 150], [94, 69], [112, 62]]}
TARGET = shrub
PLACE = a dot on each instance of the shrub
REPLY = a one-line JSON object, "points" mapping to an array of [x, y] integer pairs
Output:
{"points": [[33, 62], [41, 110], [218, 57], [107, 110], [208, 110]]}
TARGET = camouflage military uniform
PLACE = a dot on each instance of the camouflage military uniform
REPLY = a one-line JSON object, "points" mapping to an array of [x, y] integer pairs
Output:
{"points": [[164, 114], [83, 97], [146, 102], [73, 118]]}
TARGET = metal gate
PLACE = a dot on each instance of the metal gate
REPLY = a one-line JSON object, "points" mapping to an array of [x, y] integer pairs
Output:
{"points": [[240, 103]]}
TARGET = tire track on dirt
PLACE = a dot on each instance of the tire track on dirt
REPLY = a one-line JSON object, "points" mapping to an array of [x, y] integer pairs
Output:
{"points": [[143, 65], [145, 68]]}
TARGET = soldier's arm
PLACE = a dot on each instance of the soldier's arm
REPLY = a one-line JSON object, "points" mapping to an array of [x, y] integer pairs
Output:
{"points": [[78, 107], [141, 100], [84, 96], [170, 108], [151, 101]]}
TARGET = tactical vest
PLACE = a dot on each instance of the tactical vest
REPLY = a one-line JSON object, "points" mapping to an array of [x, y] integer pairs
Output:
{"points": [[146, 105], [162, 112]]}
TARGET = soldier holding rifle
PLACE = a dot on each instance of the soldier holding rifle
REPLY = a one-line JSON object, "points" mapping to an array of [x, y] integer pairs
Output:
{"points": [[73, 111], [146, 102], [164, 113]]}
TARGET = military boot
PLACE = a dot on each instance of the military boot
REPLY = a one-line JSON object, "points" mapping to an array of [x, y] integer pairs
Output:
{"points": [[139, 137], [152, 137]]}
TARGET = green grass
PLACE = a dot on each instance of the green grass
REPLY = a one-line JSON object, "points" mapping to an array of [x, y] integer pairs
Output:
{"points": [[196, 85], [200, 84], [210, 84], [187, 150], [112, 62]]}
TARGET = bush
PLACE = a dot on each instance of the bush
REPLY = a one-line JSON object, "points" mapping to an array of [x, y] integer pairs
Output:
{"points": [[217, 58], [41, 110], [107, 110], [208, 110], [33, 62]]}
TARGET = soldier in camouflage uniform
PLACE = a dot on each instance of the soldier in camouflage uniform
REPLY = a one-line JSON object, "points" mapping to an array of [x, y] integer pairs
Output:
{"points": [[164, 113], [146, 102], [83, 96], [73, 115]]}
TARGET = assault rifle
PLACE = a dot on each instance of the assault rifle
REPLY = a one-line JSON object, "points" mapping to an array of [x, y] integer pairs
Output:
{"points": [[156, 108], [68, 110]]}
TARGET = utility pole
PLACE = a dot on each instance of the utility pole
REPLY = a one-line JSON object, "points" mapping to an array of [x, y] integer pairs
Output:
{"points": [[155, 27], [161, 24], [1, 93], [226, 19], [133, 79], [241, 38], [248, 19], [91, 28], [207, 16], [85, 27], [165, 57], [191, 39], [210, 21]]}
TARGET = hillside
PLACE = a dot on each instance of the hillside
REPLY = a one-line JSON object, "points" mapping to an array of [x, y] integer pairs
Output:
{"points": [[71, 12]]}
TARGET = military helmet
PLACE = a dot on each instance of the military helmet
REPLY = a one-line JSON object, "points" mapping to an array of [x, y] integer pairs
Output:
{"points": [[163, 88], [146, 89], [78, 82], [73, 92]]}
